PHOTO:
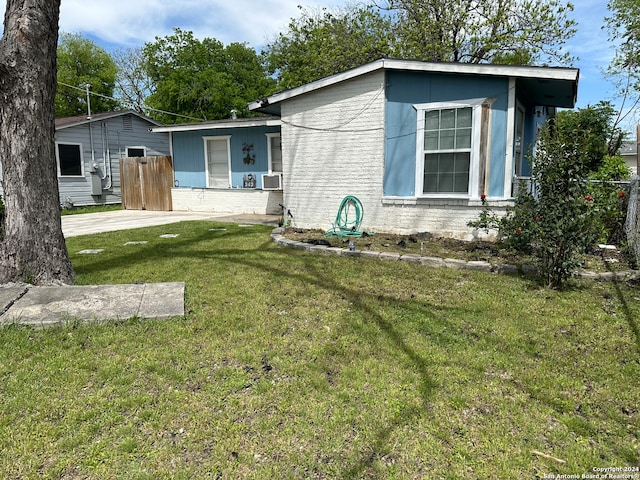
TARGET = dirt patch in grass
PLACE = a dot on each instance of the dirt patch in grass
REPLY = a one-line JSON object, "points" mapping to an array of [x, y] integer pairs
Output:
{"points": [[428, 245]]}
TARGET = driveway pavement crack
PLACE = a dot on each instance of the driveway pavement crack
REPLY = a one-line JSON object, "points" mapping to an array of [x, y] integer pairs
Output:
{"points": [[12, 302]]}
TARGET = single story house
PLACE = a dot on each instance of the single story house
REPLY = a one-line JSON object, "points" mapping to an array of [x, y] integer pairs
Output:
{"points": [[420, 144], [89, 149], [629, 153], [227, 166]]}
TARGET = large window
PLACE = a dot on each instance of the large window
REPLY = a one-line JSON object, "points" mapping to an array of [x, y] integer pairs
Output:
{"points": [[448, 149], [69, 156], [218, 161]]}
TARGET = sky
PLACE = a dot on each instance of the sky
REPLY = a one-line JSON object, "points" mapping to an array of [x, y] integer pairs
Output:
{"points": [[114, 24]]}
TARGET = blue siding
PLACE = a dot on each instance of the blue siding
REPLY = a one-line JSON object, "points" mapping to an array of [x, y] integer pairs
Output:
{"points": [[189, 161], [404, 89]]}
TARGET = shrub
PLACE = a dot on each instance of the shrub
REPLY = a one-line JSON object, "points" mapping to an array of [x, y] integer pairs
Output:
{"points": [[610, 199], [554, 221]]}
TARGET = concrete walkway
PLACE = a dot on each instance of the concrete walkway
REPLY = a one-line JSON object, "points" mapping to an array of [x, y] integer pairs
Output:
{"points": [[90, 223], [56, 305]]}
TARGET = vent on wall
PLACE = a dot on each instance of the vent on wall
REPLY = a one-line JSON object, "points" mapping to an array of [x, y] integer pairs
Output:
{"points": [[127, 123], [272, 181]]}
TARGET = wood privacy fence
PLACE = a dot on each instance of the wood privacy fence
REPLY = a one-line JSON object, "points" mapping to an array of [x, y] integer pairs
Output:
{"points": [[146, 183]]}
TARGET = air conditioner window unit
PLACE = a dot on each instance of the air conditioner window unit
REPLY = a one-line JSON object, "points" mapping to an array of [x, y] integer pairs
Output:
{"points": [[272, 181]]}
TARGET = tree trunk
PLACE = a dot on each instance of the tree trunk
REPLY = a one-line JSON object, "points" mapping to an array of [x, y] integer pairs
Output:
{"points": [[33, 249]]}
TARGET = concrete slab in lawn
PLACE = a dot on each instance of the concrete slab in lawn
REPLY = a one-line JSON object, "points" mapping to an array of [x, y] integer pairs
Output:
{"points": [[54, 305], [8, 295]]}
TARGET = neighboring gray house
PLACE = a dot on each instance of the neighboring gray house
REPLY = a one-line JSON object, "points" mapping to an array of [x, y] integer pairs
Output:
{"points": [[89, 149]]}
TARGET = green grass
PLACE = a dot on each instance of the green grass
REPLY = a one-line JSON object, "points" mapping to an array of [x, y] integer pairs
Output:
{"points": [[297, 365], [90, 209]]}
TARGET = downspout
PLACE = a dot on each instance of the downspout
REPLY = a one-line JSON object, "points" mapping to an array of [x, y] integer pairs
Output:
{"points": [[107, 158]]}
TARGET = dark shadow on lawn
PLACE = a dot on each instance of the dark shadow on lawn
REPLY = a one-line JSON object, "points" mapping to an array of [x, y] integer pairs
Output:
{"points": [[313, 272], [628, 314], [157, 248], [359, 299]]}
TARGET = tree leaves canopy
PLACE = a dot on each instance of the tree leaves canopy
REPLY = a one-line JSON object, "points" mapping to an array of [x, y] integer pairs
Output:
{"points": [[81, 62], [323, 42], [133, 85], [202, 78], [624, 27], [483, 31], [597, 129]]}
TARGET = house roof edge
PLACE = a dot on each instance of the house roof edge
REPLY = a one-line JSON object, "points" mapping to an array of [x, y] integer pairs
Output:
{"points": [[569, 74], [68, 122], [267, 121]]}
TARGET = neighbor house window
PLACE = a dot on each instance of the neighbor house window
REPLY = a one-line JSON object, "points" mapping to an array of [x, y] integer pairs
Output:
{"points": [[69, 156], [136, 152], [448, 148], [218, 160]]}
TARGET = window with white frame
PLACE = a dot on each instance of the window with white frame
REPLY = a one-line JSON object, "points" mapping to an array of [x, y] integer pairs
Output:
{"points": [[275, 153], [217, 161], [69, 157], [448, 148]]}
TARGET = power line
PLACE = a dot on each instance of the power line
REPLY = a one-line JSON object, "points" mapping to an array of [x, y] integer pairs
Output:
{"points": [[120, 101]]}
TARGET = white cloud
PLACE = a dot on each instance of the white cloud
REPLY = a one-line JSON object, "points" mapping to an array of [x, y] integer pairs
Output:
{"points": [[129, 23]]}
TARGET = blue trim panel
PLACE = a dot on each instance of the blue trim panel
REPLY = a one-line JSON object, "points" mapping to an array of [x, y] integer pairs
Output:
{"points": [[405, 89], [189, 162]]}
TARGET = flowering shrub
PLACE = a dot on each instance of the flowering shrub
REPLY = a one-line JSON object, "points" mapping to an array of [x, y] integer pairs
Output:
{"points": [[556, 222]]}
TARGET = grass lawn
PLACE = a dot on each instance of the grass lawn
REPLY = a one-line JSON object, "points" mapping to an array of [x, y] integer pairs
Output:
{"points": [[90, 209], [298, 365]]}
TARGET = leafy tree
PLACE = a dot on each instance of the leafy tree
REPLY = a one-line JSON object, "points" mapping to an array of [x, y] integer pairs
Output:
{"points": [[624, 27], [483, 31], [81, 62], [596, 125], [624, 31], [132, 85], [322, 43], [33, 248], [202, 78], [576, 201]]}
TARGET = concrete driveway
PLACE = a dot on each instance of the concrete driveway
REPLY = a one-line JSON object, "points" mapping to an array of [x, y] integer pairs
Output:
{"points": [[40, 306], [89, 223]]}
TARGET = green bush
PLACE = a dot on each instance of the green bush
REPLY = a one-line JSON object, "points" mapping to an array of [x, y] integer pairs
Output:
{"points": [[554, 220], [610, 199]]}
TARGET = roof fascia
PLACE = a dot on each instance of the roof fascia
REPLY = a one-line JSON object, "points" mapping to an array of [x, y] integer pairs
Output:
{"points": [[99, 117], [545, 73], [191, 127]]}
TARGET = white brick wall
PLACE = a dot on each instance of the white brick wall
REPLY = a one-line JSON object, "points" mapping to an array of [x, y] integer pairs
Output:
{"points": [[233, 201], [333, 145], [446, 218]]}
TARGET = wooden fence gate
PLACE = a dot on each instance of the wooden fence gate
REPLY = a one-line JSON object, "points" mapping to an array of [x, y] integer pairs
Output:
{"points": [[146, 183]]}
